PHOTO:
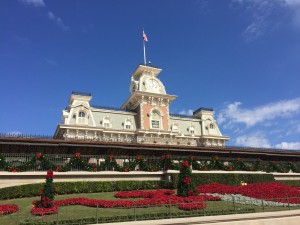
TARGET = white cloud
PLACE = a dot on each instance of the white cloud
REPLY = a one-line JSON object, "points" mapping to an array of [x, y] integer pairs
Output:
{"points": [[58, 21], [233, 113], [255, 140], [36, 3], [264, 16], [255, 30], [188, 112], [292, 2], [288, 145], [260, 11]]}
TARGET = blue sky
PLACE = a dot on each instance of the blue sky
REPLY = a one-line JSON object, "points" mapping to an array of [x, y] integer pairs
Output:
{"points": [[240, 57]]}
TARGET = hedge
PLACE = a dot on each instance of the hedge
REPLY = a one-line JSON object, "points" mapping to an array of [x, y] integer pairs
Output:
{"points": [[228, 179], [137, 217], [292, 183], [31, 190]]}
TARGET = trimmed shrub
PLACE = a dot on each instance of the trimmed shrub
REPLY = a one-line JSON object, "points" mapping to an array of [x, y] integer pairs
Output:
{"points": [[228, 179], [185, 184], [292, 183], [32, 190]]}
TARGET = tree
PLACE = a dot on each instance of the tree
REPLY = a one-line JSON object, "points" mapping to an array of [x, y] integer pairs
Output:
{"points": [[186, 186], [47, 192]]}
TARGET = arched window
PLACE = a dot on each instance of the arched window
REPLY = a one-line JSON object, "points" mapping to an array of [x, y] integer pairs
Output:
{"points": [[81, 117], [127, 124], [155, 119], [211, 126], [81, 114]]}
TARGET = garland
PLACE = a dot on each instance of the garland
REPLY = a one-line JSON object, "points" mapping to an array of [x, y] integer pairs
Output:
{"points": [[164, 163]]}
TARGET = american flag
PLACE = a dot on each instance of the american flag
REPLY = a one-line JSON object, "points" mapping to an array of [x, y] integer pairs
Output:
{"points": [[145, 36]]}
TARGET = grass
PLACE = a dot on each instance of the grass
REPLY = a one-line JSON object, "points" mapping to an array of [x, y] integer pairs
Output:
{"points": [[78, 212]]}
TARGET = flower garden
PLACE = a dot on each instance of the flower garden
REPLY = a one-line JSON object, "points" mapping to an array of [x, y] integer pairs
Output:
{"points": [[212, 199], [187, 200]]}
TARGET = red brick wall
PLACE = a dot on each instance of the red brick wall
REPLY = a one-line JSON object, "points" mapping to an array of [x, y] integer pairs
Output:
{"points": [[147, 110]]}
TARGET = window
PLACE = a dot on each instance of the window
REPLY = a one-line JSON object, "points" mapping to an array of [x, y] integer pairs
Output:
{"points": [[81, 114], [155, 120], [81, 118], [106, 122], [127, 124], [192, 130], [174, 127], [211, 126]]}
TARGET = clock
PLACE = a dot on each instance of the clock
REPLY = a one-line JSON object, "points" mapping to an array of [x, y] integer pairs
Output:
{"points": [[152, 84]]}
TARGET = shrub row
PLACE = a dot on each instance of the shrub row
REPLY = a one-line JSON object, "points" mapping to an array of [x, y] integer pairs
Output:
{"points": [[228, 179], [292, 183], [31, 190], [151, 216]]}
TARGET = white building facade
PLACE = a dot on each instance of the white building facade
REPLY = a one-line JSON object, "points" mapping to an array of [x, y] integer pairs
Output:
{"points": [[143, 118]]}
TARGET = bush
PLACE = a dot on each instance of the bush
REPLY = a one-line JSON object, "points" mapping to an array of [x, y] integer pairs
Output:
{"points": [[228, 179], [185, 183], [31, 190], [292, 183]]}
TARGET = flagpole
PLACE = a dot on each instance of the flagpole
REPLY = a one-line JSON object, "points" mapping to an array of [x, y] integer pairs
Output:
{"points": [[144, 53], [144, 45]]}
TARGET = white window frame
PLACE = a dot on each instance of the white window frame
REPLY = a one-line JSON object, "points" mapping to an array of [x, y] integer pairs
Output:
{"points": [[127, 123], [174, 127], [154, 111], [192, 130], [106, 123], [80, 114], [81, 119]]}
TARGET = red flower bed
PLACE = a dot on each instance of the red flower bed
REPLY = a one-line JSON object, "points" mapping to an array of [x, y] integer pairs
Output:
{"points": [[216, 188], [8, 209], [268, 191], [43, 211], [150, 198], [271, 191], [163, 197], [142, 194], [95, 202]]}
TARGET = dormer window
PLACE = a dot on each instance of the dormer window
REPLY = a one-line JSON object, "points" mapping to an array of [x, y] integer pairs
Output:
{"points": [[174, 127], [192, 130], [127, 124], [106, 122], [81, 114], [81, 119]]}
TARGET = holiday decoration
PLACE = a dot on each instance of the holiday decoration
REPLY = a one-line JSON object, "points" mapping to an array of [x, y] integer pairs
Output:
{"points": [[186, 186]]}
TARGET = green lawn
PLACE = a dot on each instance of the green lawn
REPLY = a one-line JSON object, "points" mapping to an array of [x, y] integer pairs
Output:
{"points": [[78, 212]]}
